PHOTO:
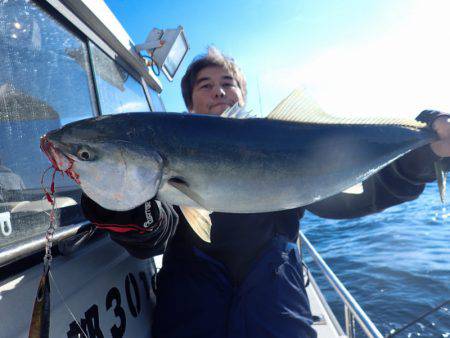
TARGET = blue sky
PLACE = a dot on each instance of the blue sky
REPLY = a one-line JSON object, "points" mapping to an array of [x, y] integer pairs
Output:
{"points": [[382, 58]]}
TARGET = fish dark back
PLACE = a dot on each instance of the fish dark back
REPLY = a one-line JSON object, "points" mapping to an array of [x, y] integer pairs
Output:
{"points": [[198, 130], [234, 137], [200, 137]]}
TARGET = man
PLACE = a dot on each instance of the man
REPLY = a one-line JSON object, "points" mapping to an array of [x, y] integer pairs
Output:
{"points": [[247, 282]]}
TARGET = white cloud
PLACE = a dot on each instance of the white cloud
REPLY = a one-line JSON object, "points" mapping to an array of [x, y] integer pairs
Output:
{"points": [[133, 106]]}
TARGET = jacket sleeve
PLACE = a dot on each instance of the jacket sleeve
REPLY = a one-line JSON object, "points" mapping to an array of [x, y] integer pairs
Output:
{"points": [[144, 231], [403, 180]]}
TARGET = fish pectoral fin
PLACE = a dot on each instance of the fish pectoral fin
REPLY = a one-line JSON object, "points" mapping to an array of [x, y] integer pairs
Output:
{"points": [[357, 189], [184, 188], [300, 107], [198, 218], [199, 221], [441, 177]]}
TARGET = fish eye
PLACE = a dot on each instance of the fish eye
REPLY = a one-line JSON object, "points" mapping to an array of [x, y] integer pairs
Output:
{"points": [[84, 154]]}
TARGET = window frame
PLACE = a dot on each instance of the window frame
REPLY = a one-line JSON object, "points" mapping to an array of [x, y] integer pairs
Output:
{"points": [[133, 73], [149, 95], [71, 19]]}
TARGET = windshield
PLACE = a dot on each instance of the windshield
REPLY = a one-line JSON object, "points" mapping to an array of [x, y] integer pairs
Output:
{"points": [[44, 84]]}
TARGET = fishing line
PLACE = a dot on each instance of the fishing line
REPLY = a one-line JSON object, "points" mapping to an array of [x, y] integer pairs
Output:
{"points": [[51, 228], [394, 332], [65, 304], [50, 196], [40, 317]]}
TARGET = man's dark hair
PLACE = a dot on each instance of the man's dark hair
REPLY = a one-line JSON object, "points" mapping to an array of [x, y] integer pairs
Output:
{"points": [[213, 58]]}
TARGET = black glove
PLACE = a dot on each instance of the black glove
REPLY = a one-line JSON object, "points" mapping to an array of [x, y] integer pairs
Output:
{"points": [[141, 219], [417, 167]]}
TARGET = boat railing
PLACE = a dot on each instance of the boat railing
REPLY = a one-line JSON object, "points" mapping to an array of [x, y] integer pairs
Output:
{"points": [[352, 309], [17, 250]]}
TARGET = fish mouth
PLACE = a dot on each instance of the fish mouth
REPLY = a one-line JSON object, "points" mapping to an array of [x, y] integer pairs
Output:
{"points": [[58, 158]]}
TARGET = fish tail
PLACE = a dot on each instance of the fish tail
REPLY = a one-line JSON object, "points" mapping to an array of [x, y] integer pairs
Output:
{"points": [[441, 177]]}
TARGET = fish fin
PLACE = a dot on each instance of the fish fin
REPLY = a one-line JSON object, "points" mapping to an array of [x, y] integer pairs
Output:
{"points": [[199, 221], [230, 111], [357, 189], [183, 187], [441, 177], [300, 107], [40, 319], [236, 112], [198, 218]]}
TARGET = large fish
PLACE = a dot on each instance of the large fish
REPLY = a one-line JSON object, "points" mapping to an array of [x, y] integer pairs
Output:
{"points": [[294, 157]]}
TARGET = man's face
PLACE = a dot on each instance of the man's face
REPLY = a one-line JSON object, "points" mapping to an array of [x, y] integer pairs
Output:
{"points": [[215, 90]]}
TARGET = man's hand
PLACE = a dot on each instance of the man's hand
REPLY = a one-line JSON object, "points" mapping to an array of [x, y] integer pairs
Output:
{"points": [[442, 126]]}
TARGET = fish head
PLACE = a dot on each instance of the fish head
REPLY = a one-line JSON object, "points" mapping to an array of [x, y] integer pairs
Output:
{"points": [[112, 170]]}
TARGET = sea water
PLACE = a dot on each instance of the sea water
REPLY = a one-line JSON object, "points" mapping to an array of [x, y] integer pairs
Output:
{"points": [[395, 263]]}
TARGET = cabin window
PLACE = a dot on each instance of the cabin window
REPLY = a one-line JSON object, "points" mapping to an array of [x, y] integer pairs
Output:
{"points": [[118, 91], [157, 103], [44, 84]]}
